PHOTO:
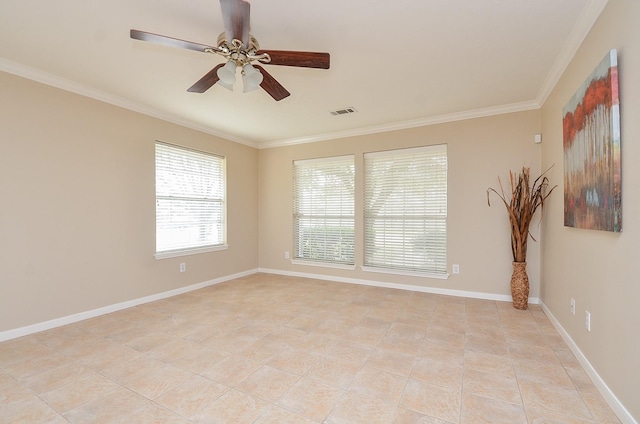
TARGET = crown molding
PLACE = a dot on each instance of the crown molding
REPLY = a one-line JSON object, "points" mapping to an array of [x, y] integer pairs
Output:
{"points": [[580, 30], [421, 122], [585, 22], [86, 91]]}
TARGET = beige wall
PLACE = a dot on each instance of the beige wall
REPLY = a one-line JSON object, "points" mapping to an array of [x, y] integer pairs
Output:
{"points": [[77, 215], [478, 236], [596, 268]]}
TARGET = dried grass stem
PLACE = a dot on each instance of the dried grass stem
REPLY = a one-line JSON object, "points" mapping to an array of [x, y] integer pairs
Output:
{"points": [[521, 205]]}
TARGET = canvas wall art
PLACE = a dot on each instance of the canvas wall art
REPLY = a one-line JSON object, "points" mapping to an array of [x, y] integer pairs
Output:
{"points": [[592, 169]]}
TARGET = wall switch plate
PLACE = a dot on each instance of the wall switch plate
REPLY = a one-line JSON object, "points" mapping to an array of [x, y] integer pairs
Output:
{"points": [[456, 269], [587, 320], [183, 267], [573, 306], [286, 255]]}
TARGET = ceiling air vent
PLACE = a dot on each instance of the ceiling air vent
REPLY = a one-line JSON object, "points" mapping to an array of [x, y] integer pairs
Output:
{"points": [[345, 111]]}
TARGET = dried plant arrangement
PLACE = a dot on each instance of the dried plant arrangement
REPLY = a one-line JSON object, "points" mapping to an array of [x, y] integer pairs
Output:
{"points": [[522, 203]]}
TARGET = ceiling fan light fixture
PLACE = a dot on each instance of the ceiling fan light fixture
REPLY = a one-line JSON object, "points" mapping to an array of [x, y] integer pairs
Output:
{"points": [[240, 48], [251, 78], [225, 85], [227, 73]]}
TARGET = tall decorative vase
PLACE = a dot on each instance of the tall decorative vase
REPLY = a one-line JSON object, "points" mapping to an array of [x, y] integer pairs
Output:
{"points": [[520, 285]]}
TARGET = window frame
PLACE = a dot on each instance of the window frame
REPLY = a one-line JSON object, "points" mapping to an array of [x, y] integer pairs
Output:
{"points": [[435, 221], [330, 164], [198, 158]]}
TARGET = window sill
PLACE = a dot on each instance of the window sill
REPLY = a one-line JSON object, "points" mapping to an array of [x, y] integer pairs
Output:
{"points": [[188, 252], [408, 273], [322, 264]]}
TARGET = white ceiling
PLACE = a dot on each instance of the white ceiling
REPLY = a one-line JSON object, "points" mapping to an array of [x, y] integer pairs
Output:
{"points": [[399, 63]]}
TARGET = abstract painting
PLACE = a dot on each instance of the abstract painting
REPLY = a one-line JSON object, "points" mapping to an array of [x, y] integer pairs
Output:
{"points": [[591, 135]]}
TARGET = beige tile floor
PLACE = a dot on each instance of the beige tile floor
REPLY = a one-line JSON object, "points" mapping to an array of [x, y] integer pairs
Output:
{"points": [[273, 349]]}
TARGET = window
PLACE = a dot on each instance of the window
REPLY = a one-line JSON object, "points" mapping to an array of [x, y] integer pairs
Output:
{"points": [[405, 214], [323, 210], [190, 201]]}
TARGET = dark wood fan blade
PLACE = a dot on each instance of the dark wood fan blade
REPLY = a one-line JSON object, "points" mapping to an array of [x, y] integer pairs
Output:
{"points": [[302, 59], [235, 14], [271, 86], [168, 41], [207, 81]]}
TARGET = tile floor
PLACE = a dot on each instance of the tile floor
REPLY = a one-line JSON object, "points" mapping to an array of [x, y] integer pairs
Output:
{"points": [[273, 349]]}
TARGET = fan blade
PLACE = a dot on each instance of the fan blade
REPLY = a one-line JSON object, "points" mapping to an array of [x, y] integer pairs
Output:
{"points": [[235, 14], [207, 81], [168, 41], [302, 59], [271, 86]]}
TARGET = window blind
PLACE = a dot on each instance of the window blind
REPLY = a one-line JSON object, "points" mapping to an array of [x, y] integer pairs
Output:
{"points": [[190, 199], [323, 215], [405, 213]]}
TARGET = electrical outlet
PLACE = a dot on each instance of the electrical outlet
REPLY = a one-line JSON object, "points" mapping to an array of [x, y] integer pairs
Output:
{"points": [[286, 255], [573, 306], [587, 320], [456, 269], [183, 267]]}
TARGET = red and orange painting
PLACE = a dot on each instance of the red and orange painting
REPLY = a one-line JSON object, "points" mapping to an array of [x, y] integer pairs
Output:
{"points": [[592, 171]]}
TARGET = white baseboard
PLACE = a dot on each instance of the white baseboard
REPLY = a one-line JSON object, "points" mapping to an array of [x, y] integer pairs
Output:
{"points": [[602, 387], [422, 289], [70, 319]]}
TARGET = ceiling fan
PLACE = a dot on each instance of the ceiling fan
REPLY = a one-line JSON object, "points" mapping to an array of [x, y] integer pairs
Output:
{"points": [[241, 50]]}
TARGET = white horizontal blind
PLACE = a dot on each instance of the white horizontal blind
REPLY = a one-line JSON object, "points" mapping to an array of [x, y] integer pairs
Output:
{"points": [[323, 210], [405, 214], [190, 199]]}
